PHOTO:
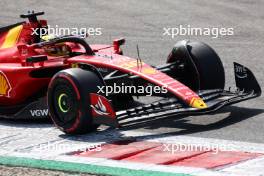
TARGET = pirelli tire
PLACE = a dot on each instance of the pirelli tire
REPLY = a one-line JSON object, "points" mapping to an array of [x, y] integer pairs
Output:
{"points": [[69, 101], [203, 67]]}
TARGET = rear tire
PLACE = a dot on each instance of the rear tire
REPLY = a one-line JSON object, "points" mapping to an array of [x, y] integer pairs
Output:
{"points": [[69, 102]]}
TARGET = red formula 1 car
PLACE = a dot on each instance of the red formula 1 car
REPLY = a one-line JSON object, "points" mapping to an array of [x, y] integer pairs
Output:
{"points": [[81, 86]]}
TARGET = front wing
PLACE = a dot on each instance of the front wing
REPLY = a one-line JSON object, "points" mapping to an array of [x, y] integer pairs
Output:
{"points": [[247, 88]]}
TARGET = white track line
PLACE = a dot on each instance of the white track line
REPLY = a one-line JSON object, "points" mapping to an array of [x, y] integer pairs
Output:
{"points": [[24, 143]]}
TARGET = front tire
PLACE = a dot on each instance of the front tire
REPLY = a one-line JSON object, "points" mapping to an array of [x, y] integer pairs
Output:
{"points": [[203, 68], [69, 101]]}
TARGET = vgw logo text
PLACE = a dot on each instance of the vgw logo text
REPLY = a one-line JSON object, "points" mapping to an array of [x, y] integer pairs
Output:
{"points": [[39, 112]]}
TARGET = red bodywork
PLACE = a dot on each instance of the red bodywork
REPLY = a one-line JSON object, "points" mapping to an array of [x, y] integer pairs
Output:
{"points": [[17, 84]]}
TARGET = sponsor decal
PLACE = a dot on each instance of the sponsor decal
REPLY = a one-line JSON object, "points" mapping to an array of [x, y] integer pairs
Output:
{"points": [[144, 68], [241, 72], [5, 87], [198, 103], [39, 112], [12, 37], [101, 106], [148, 70], [129, 64]]}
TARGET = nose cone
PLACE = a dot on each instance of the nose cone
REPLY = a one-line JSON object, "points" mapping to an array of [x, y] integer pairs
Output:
{"points": [[198, 103]]}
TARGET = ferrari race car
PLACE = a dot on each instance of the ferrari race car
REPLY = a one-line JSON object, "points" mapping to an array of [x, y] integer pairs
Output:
{"points": [[81, 86]]}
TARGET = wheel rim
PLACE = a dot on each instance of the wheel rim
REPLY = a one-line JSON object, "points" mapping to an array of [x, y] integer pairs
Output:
{"points": [[65, 103]]}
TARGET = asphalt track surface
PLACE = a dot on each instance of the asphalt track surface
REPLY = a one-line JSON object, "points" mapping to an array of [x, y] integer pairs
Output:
{"points": [[142, 23], [20, 171]]}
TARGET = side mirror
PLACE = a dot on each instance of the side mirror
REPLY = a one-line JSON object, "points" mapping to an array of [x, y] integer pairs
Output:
{"points": [[117, 43]]}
